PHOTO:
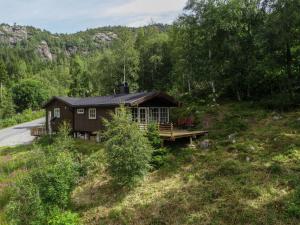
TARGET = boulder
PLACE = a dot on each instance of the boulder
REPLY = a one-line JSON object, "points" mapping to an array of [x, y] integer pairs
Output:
{"points": [[232, 137], [205, 144]]}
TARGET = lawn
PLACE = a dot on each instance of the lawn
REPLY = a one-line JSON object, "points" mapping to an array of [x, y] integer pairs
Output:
{"points": [[253, 177]]}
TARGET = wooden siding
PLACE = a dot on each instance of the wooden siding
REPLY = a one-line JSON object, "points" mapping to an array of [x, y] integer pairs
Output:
{"points": [[84, 124], [66, 114]]}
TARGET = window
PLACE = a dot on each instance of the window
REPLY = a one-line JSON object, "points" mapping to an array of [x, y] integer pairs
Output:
{"points": [[135, 114], [154, 115], [80, 111], [56, 113], [92, 114], [164, 115]]}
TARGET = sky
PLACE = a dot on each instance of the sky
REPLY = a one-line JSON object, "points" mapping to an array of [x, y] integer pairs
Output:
{"points": [[69, 16]]}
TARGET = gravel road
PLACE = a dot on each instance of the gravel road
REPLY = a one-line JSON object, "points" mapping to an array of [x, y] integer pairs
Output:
{"points": [[19, 134]]}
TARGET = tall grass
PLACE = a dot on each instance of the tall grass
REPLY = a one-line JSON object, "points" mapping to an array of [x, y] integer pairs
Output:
{"points": [[23, 117]]}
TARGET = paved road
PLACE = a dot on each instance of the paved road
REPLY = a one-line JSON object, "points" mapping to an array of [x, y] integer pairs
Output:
{"points": [[19, 134]]}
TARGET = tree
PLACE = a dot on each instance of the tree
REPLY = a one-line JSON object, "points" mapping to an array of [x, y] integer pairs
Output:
{"points": [[128, 150], [3, 77], [29, 93]]}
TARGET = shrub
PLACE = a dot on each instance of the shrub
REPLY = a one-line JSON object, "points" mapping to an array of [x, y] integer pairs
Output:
{"points": [[153, 135], [56, 178], [63, 139], [293, 206], [282, 101], [128, 150], [58, 217], [229, 167], [159, 158], [275, 168], [25, 207]]}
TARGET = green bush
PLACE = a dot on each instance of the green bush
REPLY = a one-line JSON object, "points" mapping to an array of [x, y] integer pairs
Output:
{"points": [[153, 135], [56, 178], [58, 217], [25, 207], [293, 206], [282, 101], [159, 158], [63, 140], [128, 150], [229, 167], [25, 116]]}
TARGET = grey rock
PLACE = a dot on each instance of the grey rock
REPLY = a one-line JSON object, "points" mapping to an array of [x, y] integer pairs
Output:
{"points": [[206, 144], [44, 51], [232, 137], [277, 117], [105, 37]]}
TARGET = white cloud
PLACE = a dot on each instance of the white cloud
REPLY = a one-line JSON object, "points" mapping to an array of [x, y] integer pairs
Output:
{"points": [[140, 7]]}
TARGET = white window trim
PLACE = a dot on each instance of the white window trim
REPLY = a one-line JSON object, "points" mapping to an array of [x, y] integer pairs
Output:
{"points": [[94, 116], [56, 113], [80, 111]]}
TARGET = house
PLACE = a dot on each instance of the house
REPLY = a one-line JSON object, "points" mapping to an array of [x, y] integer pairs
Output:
{"points": [[85, 115]]}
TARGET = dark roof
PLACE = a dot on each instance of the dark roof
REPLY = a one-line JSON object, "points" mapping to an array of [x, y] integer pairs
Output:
{"points": [[114, 100]]}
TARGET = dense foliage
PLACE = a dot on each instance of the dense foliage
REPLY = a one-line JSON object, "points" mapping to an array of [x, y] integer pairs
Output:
{"points": [[42, 195], [128, 150], [244, 50]]}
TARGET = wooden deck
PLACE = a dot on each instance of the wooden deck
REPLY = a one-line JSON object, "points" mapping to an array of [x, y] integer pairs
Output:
{"points": [[169, 132], [176, 134]]}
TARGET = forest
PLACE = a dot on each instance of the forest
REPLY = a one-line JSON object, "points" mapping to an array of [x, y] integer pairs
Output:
{"points": [[216, 50]]}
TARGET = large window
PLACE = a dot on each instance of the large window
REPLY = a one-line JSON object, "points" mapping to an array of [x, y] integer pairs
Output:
{"points": [[135, 114], [164, 115], [56, 113], [154, 115], [92, 114]]}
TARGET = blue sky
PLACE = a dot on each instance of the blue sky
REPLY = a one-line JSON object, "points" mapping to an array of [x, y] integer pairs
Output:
{"points": [[68, 16]]}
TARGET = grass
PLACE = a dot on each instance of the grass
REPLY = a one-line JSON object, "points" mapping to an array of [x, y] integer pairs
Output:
{"points": [[254, 179], [26, 116]]}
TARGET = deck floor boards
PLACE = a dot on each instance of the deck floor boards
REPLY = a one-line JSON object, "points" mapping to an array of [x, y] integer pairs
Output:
{"points": [[180, 134]]}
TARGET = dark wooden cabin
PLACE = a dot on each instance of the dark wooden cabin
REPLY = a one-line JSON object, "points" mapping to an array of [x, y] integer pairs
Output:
{"points": [[85, 114]]}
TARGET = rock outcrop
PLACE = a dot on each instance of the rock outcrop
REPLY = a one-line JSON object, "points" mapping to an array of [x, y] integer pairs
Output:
{"points": [[105, 37], [13, 34], [44, 51]]}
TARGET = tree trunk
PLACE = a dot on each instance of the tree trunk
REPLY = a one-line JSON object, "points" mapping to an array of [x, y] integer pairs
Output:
{"points": [[1, 91], [212, 84], [289, 67], [238, 95]]}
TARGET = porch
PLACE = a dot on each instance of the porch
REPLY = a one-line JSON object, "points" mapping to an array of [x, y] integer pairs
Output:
{"points": [[170, 133]]}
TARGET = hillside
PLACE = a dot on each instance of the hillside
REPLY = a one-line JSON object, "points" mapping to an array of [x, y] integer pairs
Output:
{"points": [[248, 175]]}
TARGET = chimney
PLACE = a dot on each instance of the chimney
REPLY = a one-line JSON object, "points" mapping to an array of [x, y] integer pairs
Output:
{"points": [[124, 88]]}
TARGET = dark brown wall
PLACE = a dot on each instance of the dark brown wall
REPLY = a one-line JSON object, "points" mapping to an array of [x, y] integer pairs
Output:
{"points": [[84, 124], [66, 114]]}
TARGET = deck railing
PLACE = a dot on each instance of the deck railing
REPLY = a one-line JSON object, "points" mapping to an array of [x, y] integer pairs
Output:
{"points": [[165, 128], [38, 131]]}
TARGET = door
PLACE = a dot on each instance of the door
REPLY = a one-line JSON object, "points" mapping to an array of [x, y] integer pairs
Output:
{"points": [[143, 115]]}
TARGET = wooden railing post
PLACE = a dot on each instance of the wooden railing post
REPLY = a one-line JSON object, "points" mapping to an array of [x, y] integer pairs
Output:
{"points": [[171, 130]]}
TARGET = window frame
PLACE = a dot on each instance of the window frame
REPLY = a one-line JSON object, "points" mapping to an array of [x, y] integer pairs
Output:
{"points": [[80, 111], [56, 113], [165, 117], [93, 117]]}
